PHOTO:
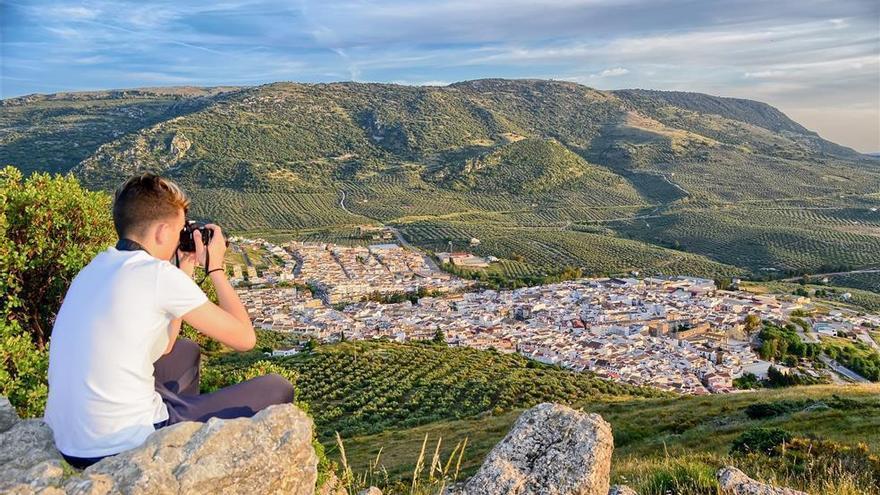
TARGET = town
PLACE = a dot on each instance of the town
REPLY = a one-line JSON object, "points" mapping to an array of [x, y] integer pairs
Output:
{"points": [[675, 333]]}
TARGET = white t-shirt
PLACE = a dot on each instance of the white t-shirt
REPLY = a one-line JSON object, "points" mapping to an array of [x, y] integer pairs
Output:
{"points": [[111, 328]]}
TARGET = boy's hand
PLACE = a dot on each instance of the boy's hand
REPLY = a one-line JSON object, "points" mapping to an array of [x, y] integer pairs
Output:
{"points": [[217, 248]]}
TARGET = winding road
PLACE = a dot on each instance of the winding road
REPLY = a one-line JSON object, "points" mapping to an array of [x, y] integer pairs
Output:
{"points": [[342, 204], [403, 242]]}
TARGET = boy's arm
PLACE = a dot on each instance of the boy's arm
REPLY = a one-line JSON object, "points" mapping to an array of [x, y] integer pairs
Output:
{"points": [[229, 321], [173, 331], [187, 264]]}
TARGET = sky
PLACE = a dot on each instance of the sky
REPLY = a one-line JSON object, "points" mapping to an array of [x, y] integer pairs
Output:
{"points": [[817, 61]]}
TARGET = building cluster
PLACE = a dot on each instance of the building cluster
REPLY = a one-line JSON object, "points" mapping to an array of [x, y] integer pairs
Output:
{"points": [[675, 333], [342, 274]]}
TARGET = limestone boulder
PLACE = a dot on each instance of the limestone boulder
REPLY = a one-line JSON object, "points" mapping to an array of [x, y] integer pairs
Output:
{"points": [[551, 450], [735, 482], [269, 453]]}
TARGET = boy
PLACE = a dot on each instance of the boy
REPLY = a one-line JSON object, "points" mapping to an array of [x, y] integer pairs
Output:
{"points": [[117, 371]]}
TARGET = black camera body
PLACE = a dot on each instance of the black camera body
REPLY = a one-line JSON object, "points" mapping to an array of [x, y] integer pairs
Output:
{"points": [[188, 242]]}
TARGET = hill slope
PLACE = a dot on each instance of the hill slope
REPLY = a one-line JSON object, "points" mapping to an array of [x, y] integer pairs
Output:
{"points": [[366, 386], [388, 396], [485, 154]]}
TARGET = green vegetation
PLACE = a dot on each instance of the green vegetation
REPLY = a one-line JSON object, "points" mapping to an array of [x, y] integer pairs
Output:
{"points": [[856, 356], [362, 387], [787, 239], [543, 251], [50, 229], [602, 181], [677, 444], [783, 344]]}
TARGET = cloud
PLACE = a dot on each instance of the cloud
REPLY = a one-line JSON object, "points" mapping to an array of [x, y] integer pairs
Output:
{"points": [[807, 56], [617, 71]]}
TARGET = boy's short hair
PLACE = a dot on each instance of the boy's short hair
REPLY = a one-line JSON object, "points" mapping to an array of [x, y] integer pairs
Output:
{"points": [[144, 199]]}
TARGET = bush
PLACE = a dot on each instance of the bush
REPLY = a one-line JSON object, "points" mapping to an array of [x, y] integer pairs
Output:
{"points": [[747, 382], [682, 477], [51, 227], [763, 410], [763, 440]]}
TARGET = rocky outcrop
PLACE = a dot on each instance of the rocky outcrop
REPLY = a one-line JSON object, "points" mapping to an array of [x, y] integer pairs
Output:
{"points": [[269, 453], [734, 482], [551, 450], [179, 145], [29, 462]]}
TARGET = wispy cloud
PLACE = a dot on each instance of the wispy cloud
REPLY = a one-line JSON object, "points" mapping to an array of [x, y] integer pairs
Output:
{"points": [[811, 58]]}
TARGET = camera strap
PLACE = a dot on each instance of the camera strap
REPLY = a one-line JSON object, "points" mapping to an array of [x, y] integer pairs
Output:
{"points": [[129, 245]]}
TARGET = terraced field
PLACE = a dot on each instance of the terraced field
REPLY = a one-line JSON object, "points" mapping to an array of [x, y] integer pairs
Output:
{"points": [[768, 239], [864, 281], [246, 211], [548, 250], [367, 387]]}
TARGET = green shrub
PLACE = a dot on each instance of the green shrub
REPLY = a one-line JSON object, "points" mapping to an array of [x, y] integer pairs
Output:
{"points": [[692, 478], [763, 410], [763, 440], [50, 227]]}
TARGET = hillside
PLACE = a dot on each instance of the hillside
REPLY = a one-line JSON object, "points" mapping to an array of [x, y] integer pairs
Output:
{"points": [[735, 183], [675, 445], [367, 387], [382, 395]]}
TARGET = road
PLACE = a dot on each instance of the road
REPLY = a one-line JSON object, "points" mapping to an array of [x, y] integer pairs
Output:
{"points": [[247, 259], [839, 368], [831, 274], [406, 245], [342, 203]]}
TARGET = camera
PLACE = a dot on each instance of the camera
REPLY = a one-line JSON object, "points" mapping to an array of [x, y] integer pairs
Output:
{"points": [[188, 242]]}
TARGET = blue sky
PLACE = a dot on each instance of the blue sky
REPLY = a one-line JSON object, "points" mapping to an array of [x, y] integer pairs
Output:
{"points": [[818, 61]]}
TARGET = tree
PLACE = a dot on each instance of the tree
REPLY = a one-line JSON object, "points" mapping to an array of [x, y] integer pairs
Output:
{"points": [[439, 337], [753, 322], [50, 227]]}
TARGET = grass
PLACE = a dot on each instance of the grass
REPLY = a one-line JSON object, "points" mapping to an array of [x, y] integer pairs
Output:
{"points": [[661, 443]]}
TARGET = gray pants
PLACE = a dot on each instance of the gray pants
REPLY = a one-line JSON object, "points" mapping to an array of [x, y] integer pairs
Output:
{"points": [[177, 381]]}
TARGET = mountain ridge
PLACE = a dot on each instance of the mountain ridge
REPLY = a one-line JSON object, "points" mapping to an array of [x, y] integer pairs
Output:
{"points": [[283, 152]]}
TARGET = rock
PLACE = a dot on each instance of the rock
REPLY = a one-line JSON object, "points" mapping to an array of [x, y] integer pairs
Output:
{"points": [[735, 482], [551, 450], [370, 491], [621, 490], [269, 453], [29, 461], [8, 416], [179, 145]]}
